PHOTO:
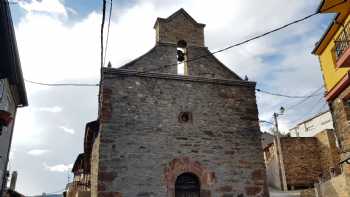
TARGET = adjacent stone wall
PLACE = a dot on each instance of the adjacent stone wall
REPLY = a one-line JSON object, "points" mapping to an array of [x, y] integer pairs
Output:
{"points": [[341, 117], [308, 193], [301, 161], [95, 162], [329, 154], [144, 146], [336, 187], [273, 168]]}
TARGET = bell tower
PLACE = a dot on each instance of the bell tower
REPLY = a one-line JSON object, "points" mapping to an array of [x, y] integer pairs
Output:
{"points": [[180, 26]]}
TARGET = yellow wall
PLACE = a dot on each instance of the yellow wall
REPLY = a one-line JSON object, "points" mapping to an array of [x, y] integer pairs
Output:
{"points": [[332, 75]]}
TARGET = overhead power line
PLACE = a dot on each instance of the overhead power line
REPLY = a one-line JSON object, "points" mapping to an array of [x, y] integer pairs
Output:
{"points": [[246, 41], [196, 58], [102, 28], [94, 85], [61, 84], [313, 94], [284, 95], [108, 27]]}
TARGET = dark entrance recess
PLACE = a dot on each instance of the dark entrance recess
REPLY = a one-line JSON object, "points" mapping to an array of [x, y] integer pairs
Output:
{"points": [[187, 185]]}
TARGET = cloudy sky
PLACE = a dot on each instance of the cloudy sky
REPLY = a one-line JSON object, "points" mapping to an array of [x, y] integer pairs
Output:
{"points": [[58, 41]]}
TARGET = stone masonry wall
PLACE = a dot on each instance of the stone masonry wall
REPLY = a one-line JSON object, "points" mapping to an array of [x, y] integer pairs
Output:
{"points": [[144, 146], [208, 66], [180, 27], [329, 155], [162, 58], [95, 161], [273, 169], [341, 116], [155, 59], [301, 161], [336, 187], [308, 193]]}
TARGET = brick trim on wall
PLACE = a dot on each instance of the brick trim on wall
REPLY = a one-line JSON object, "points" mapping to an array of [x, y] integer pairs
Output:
{"points": [[182, 165]]}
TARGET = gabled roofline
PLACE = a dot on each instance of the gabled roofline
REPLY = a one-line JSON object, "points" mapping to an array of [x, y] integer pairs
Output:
{"points": [[12, 68], [168, 44], [115, 72], [321, 5], [171, 17], [138, 58], [318, 44], [309, 119], [222, 64], [79, 158], [91, 130], [329, 28]]}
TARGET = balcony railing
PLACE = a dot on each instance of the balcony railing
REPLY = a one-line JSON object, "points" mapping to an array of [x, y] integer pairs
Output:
{"points": [[342, 43]]}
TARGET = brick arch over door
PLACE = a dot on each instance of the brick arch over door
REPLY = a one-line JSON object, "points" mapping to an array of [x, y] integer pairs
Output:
{"points": [[182, 165]]}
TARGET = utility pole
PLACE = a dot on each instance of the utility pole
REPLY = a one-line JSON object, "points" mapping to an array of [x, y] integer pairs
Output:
{"points": [[277, 135], [275, 115]]}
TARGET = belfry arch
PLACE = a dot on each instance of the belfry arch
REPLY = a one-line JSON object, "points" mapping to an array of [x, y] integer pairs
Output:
{"points": [[187, 185], [184, 172]]}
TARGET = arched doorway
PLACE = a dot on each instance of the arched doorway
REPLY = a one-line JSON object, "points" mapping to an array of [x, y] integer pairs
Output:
{"points": [[187, 185]]}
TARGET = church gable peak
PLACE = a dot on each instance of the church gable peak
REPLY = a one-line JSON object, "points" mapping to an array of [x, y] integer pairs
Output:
{"points": [[181, 11], [179, 26]]}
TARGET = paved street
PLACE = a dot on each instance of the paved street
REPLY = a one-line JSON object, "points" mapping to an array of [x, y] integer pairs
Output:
{"points": [[277, 193]]}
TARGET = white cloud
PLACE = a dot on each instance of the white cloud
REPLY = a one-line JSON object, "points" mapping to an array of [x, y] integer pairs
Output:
{"points": [[59, 167], [54, 109], [38, 152], [46, 6], [62, 52], [27, 132], [67, 130]]}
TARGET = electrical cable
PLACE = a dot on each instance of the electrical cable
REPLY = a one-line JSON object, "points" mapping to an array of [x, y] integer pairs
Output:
{"points": [[246, 41], [102, 28], [61, 84], [302, 101], [218, 51], [196, 58], [266, 122], [310, 114], [284, 95], [55, 192], [94, 85], [108, 27], [321, 108], [318, 102]]}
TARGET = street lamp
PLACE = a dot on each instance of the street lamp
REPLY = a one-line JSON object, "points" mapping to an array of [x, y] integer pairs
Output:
{"points": [[275, 116]]}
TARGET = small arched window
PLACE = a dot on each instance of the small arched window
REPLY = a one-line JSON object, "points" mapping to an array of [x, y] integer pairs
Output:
{"points": [[181, 57], [187, 185]]}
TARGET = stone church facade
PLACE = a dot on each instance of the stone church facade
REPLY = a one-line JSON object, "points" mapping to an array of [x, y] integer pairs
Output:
{"points": [[165, 134]]}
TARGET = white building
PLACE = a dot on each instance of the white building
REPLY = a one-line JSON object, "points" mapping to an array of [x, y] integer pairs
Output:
{"points": [[312, 126], [12, 89]]}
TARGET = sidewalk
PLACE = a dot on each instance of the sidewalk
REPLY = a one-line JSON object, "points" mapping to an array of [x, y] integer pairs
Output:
{"points": [[278, 193]]}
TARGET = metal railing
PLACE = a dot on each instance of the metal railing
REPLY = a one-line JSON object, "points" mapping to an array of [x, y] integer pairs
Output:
{"points": [[342, 43]]}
